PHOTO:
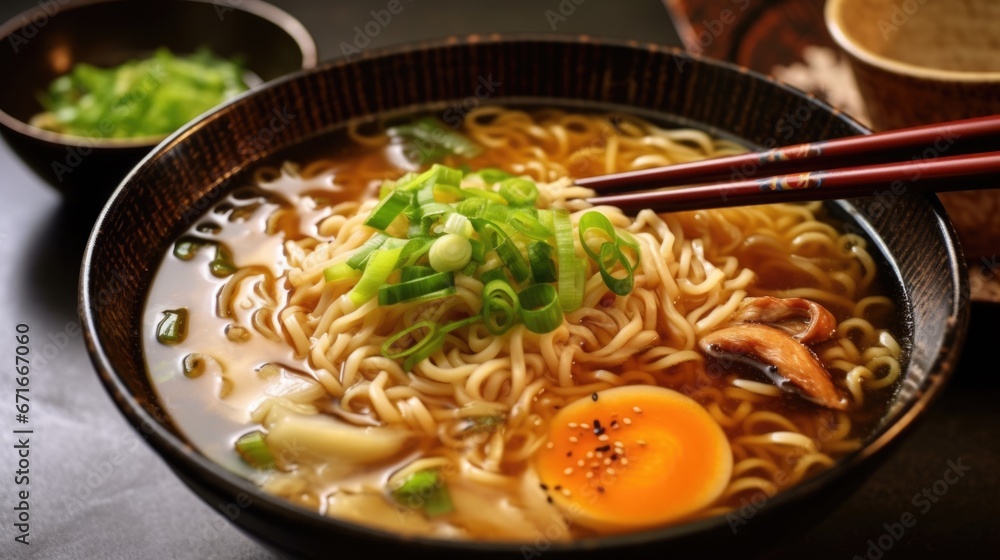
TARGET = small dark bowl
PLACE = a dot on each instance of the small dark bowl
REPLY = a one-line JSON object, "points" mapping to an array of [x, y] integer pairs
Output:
{"points": [[48, 40], [913, 238]]}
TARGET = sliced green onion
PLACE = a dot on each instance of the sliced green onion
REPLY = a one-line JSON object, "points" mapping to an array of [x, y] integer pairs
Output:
{"points": [[518, 192], [425, 288], [491, 175], [450, 252], [380, 266], [389, 346], [478, 251], [493, 274], [543, 269], [500, 307], [596, 221], [172, 329], [513, 260], [459, 225], [448, 175], [460, 193], [254, 451], [425, 179], [540, 309], [425, 490], [528, 225], [421, 349], [489, 233], [408, 273], [472, 207], [493, 236], [222, 265], [625, 239], [388, 209], [340, 272], [187, 247], [611, 254], [414, 249], [429, 132], [360, 257], [570, 278], [470, 269]]}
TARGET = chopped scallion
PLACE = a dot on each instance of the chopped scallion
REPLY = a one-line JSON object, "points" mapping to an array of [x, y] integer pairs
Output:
{"points": [[252, 447], [172, 329]]}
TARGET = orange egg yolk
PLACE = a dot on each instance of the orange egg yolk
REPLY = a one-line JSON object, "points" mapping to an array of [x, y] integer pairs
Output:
{"points": [[633, 457]]}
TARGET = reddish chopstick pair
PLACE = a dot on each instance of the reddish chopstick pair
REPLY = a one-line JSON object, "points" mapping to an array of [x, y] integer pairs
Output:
{"points": [[910, 160]]}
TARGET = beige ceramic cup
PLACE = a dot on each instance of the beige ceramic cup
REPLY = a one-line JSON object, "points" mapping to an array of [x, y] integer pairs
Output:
{"points": [[926, 61]]}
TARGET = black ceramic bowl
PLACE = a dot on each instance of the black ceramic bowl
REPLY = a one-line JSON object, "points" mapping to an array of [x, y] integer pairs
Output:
{"points": [[48, 40], [914, 237]]}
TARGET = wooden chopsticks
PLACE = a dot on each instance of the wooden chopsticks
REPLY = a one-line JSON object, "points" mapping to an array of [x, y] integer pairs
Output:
{"points": [[903, 161]]}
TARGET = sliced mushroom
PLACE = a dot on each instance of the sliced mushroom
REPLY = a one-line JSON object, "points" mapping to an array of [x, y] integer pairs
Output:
{"points": [[781, 356], [807, 321]]}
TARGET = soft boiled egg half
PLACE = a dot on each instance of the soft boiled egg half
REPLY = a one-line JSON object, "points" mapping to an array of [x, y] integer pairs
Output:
{"points": [[633, 457]]}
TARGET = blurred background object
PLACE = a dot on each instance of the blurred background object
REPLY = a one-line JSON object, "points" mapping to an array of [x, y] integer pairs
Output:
{"points": [[790, 40]]}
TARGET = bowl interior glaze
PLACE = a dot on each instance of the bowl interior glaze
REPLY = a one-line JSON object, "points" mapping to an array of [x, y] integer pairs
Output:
{"points": [[173, 185]]}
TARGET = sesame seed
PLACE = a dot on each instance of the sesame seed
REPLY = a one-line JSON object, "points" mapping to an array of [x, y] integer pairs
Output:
{"points": [[585, 425], [611, 471], [565, 492], [594, 464], [569, 453], [548, 499], [568, 471], [627, 421], [593, 397], [544, 486], [600, 489], [538, 421], [549, 445], [598, 431], [624, 461], [619, 444], [603, 437], [641, 442], [580, 463], [572, 424], [600, 455], [603, 448], [574, 439], [590, 454], [614, 456], [590, 474], [607, 461], [558, 487], [597, 424], [637, 409]]}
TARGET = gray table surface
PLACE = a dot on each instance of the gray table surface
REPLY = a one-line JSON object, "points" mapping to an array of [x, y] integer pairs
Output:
{"points": [[97, 491]]}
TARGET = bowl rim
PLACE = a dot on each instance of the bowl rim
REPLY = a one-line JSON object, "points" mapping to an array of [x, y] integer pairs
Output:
{"points": [[833, 15], [268, 12], [182, 457]]}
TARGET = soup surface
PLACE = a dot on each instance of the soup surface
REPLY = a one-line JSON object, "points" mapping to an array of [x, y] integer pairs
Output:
{"points": [[725, 356]]}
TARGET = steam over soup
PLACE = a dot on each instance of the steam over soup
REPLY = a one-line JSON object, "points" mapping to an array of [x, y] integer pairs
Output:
{"points": [[429, 330]]}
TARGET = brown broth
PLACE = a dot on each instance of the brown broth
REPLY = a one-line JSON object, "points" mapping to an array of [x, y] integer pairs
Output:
{"points": [[291, 210]]}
